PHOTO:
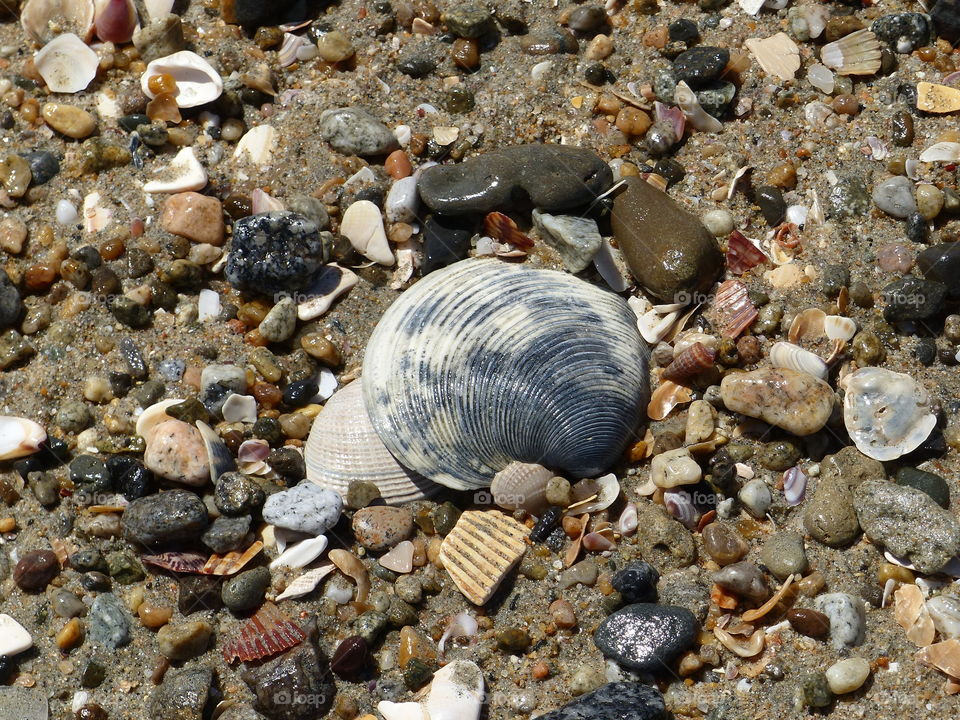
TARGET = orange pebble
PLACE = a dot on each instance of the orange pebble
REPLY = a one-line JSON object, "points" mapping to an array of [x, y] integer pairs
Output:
{"points": [[398, 165], [540, 670]]}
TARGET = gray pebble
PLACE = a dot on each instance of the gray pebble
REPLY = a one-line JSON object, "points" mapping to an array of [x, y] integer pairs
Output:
{"points": [[848, 619], [576, 239], [354, 131], [182, 695], [246, 590], [784, 555], [109, 622], [895, 197], [306, 508]]}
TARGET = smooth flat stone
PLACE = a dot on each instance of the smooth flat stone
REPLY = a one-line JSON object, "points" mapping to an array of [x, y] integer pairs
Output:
{"points": [[791, 400], [646, 636], [553, 177], [614, 701]]}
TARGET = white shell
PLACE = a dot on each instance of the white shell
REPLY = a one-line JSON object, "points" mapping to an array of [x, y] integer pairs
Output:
{"points": [[257, 145], [698, 117], [521, 486], [197, 82], [948, 152], [886, 413], [855, 54], [301, 554], [184, 173], [19, 437], [154, 415], [66, 64], [306, 583], [45, 19], [794, 357], [606, 488], [484, 363], [14, 638], [343, 446], [239, 408], [838, 327], [325, 287], [945, 612], [362, 225]]}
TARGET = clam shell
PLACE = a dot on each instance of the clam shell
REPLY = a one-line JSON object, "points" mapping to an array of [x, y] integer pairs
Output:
{"points": [[66, 64], [480, 550], [858, 53], [45, 19], [837, 327], [197, 82], [808, 325], [521, 486], [484, 363], [886, 413], [742, 254], [19, 437], [599, 494], [343, 446], [794, 357]]}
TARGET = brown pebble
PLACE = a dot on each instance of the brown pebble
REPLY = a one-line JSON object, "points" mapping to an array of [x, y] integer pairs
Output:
{"points": [[39, 276], [809, 622], [783, 176], [68, 120], [466, 54], [846, 105], [36, 569], [381, 527], [7, 524], [749, 350], [724, 544], [633, 121], [154, 616], [398, 165], [70, 635], [319, 347], [563, 614], [197, 217]]}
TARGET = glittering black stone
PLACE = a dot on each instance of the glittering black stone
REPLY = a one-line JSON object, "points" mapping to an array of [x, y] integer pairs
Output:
{"points": [[701, 65], [44, 166], [297, 394], [546, 524], [445, 241], [614, 701], [905, 32], [645, 636], [275, 252], [913, 298]]}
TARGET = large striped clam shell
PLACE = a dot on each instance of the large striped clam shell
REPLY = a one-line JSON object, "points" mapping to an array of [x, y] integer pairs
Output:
{"points": [[343, 446], [485, 363]]}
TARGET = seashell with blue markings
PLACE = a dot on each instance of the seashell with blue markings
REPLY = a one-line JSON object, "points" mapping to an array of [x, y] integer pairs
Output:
{"points": [[483, 363]]}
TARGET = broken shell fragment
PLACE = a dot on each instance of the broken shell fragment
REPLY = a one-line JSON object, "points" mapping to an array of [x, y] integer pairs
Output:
{"points": [[698, 117], [306, 583], [350, 565], [947, 152], [115, 20], [745, 648], [886, 413], [184, 173], [742, 253], [777, 55], [267, 633], [19, 437], [66, 64], [301, 554], [197, 82], [938, 99], [666, 397], [858, 53], [910, 611], [733, 308], [178, 562], [362, 225], [794, 357], [837, 327], [592, 495], [944, 656], [45, 19], [482, 548], [232, 562]]}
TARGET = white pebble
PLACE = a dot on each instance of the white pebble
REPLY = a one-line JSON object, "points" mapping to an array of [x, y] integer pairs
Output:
{"points": [[240, 408], [67, 213], [208, 305], [718, 222], [848, 675], [402, 201], [328, 384], [755, 496]]}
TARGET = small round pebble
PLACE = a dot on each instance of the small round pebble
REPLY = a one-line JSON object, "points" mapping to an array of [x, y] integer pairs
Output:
{"points": [[846, 676]]}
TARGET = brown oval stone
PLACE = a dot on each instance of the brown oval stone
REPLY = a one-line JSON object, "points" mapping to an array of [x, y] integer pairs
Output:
{"points": [[68, 120], [724, 544], [35, 570], [809, 622], [197, 217], [381, 527], [349, 658]]}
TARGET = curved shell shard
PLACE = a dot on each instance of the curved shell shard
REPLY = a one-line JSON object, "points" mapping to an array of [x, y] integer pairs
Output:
{"points": [[886, 413], [19, 437], [483, 363], [343, 446]]}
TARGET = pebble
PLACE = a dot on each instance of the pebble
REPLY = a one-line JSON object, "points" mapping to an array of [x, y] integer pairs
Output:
{"points": [[674, 468], [69, 120], [744, 579], [199, 218], [723, 543], [637, 582], [381, 527], [913, 298], [756, 498], [895, 258], [793, 401], [719, 223], [895, 197], [274, 252], [904, 32], [848, 620], [930, 200], [13, 234], [576, 239], [198, 593], [849, 198], [109, 622], [772, 205], [349, 658], [468, 20], [445, 241], [354, 131], [305, 508], [930, 483], [182, 695], [700, 65], [294, 686], [846, 676], [909, 523], [815, 690], [784, 554], [34, 571], [663, 541], [171, 517], [10, 303], [555, 177], [668, 250], [811, 623], [941, 263], [584, 572], [227, 534], [44, 166], [280, 323], [334, 46], [402, 203], [184, 641], [946, 19], [645, 636], [175, 451], [829, 515], [246, 590]]}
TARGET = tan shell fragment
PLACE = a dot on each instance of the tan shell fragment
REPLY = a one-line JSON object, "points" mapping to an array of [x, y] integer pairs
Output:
{"points": [[777, 55], [666, 397], [745, 648], [937, 98], [480, 550], [944, 656], [808, 325], [858, 53], [232, 562], [45, 19], [910, 611]]}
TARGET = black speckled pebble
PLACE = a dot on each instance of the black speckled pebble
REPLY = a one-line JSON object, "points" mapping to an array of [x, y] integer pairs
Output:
{"points": [[645, 636], [275, 252], [701, 65], [637, 582], [614, 701]]}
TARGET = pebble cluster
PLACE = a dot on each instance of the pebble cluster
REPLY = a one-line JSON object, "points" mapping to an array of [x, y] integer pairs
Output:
{"points": [[208, 206]]}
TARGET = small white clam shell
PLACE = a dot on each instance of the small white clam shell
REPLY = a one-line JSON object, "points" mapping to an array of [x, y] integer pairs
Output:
{"points": [[521, 486], [325, 288], [184, 173], [606, 488], [154, 415], [44, 19], [886, 413], [343, 446], [301, 554], [197, 82], [66, 64], [948, 152], [794, 357], [838, 327], [19, 437]]}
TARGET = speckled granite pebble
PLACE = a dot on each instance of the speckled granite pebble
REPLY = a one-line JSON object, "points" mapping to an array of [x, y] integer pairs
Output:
{"points": [[306, 508], [182, 695], [848, 619], [354, 131], [109, 622]]}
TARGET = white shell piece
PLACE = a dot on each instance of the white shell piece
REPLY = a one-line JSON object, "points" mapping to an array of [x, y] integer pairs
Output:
{"points": [[362, 224], [184, 173], [838, 327], [153, 416], [208, 305], [240, 408], [14, 638], [197, 82], [326, 287], [456, 692], [45, 19], [257, 145], [306, 583], [945, 612], [948, 152], [19, 437], [886, 413], [301, 554], [343, 446], [794, 357], [605, 261], [698, 117], [158, 8], [606, 488], [66, 64]]}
